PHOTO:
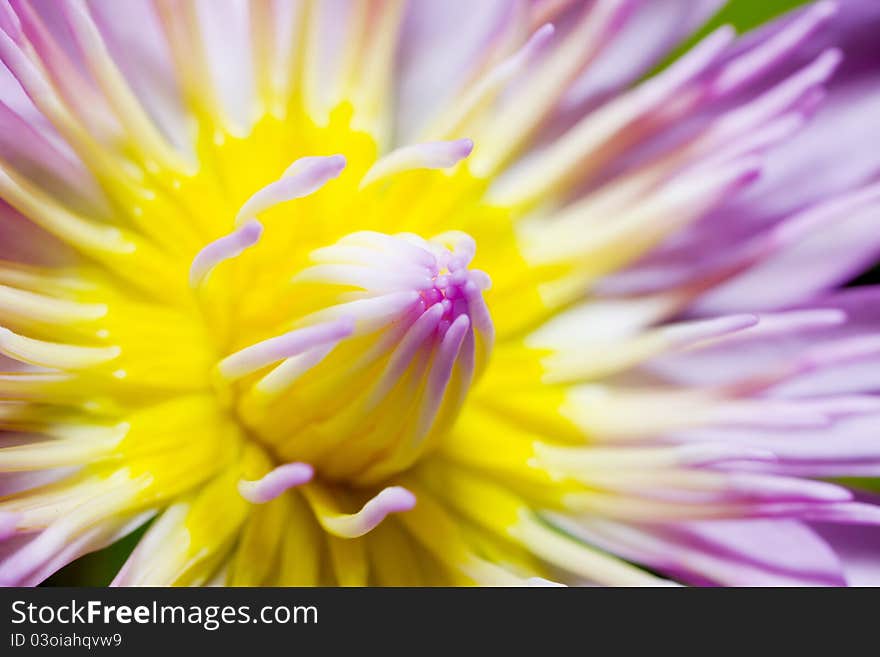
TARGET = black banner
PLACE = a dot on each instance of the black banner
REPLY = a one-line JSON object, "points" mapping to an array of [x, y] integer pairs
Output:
{"points": [[411, 621]]}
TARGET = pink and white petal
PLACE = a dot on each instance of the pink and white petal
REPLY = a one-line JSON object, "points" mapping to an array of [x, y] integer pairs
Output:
{"points": [[328, 38], [831, 255], [135, 40], [48, 34], [848, 447], [225, 32], [14, 96], [859, 550], [95, 539], [775, 552], [430, 72], [828, 153], [27, 560], [857, 546], [813, 347], [602, 320], [12, 483], [33, 154], [846, 378], [24, 242], [852, 27], [861, 305], [759, 552], [655, 29], [862, 308]]}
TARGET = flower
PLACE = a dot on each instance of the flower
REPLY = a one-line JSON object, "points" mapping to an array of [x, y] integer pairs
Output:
{"points": [[438, 292]]}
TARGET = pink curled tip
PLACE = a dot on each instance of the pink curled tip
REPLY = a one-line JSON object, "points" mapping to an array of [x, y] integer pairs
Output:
{"points": [[394, 499], [302, 178], [224, 248], [448, 154], [281, 479], [442, 154], [316, 165], [428, 155]]}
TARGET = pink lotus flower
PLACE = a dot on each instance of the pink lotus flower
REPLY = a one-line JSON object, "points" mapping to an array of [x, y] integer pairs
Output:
{"points": [[433, 292]]}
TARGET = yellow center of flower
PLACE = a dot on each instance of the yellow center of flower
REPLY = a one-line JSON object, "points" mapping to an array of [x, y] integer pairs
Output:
{"points": [[344, 332], [293, 310], [338, 335]]}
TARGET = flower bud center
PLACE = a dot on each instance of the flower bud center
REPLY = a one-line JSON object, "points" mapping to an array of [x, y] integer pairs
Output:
{"points": [[372, 373]]}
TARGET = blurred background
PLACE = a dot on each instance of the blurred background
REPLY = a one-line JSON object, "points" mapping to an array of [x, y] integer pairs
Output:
{"points": [[98, 569]]}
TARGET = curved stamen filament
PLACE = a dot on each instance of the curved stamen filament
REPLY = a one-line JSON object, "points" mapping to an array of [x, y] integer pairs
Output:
{"points": [[494, 82], [302, 178], [276, 482], [259, 355], [224, 248], [54, 354], [430, 155], [394, 499]]}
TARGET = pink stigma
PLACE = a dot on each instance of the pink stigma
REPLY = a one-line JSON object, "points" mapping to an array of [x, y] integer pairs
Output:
{"points": [[276, 482]]}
